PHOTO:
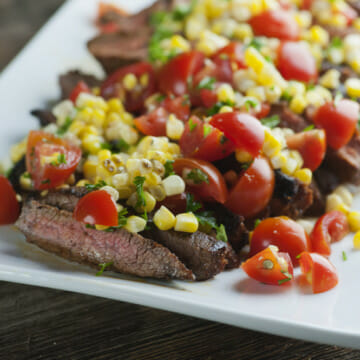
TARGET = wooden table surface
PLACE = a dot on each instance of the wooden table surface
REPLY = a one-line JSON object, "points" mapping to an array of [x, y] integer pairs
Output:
{"points": [[37, 323]]}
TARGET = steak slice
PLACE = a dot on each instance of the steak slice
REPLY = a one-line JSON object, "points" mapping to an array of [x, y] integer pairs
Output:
{"points": [[200, 252], [69, 80], [45, 117], [56, 231], [14, 176]]}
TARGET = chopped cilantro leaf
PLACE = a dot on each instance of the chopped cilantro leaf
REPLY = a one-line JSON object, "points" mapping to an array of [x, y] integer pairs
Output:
{"points": [[221, 233], [249, 103], [65, 127], [207, 130], [198, 176], [116, 146], [288, 278], [207, 83], [192, 125], [46, 181], [103, 267], [122, 221], [97, 186], [336, 42], [181, 12], [169, 169], [246, 165], [256, 43], [308, 128], [344, 256], [257, 222], [90, 226], [191, 204], [160, 98], [139, 186], [156, 52], [216, 108], [286, 96], [271, 121]]}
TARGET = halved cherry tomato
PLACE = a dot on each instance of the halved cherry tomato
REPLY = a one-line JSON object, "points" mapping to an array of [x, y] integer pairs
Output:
{"points": [[234, 52], [339, 120], [96, 208], [275, 23], [133, 99], [203, 141], [296, 62], [286, 234], [318, 271], [253, 190], [81, 87], [176, 203], [244, 130], [154, 123], [270, 267], [9, 206], [50, 160], [179, 106], [331, 227], [175, 76], [210, 185], [311, 145]]}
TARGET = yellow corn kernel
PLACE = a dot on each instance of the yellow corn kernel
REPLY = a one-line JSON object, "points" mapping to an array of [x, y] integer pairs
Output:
{"points": [[144, 80], [272, 93], [278, 161], [82, 183], [331, 79], [87, 130], [356, 24], [150, 202], [89, 169], [304, 175], [111, 191], [120, 180], [356, 240], [225, 93], [291, 164], [164, 219], [133, 167], [129, 81], [174, 149], [174, 127], [335, 202], [294, 154], [319, 35], [91, 143], [354, 220], [303, 18], [336, 55], [355, 64], [295, 88], [242, 32], [18, 151], [243, 156], [135, 224], [89, 101], [157, 192], [344, 194], [125, 192], [180, 43], [104, 155], [258, 92], [157, 155], [225, 109], [338, 20], [26, 182], [101, 227], [186, 222], [272, 144], [195, 25], [254, 59], [173, 185], [115, 105], [352, 86], [152, 179]]}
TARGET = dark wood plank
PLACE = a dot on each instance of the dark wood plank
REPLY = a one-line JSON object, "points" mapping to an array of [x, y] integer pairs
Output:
{"points": [[38, 323]]}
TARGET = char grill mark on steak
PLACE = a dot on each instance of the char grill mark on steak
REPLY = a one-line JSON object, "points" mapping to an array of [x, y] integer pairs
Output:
{"points": [[56, 231], [200, 252], [69, 80], [14, 177]]}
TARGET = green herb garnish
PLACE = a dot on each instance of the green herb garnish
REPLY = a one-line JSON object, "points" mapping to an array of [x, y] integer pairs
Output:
{"points": [[139, 186], [122, 221], [65, 127], [256, 223], [216, 108], [207, 83], [271, 121], [256, 43], [288, 278], [191, 204], [97, 186], [198, 176], [207, 130], [169, 169], [308, 128], [192, 125], [344, 256], [249, 103], [103, 267]]}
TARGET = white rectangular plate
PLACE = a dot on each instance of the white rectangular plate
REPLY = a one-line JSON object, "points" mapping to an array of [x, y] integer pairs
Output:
{"points": [[231, 298]]}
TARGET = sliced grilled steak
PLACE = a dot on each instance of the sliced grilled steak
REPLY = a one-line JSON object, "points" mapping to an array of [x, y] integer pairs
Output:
{"points": [[56, 231], [121, 48], [291, 197], [45, 117], [201, 253], [18, 169], [318, 206], [69, 80]]}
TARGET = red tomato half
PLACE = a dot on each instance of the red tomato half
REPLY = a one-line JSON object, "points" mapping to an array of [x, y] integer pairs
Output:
{"points": [[311, 145], [50, 160], [154, 123], [203, 141], [134, 99], [9, 206], [296, 62], [244, 130], [213, 186], [286, 234], [234, 52], [275, 23], [81, 87], [338, 120], [179, 106], [267, 267], [254, 189], [318, 271], [331, 227], [97, 208], [174, 76]]}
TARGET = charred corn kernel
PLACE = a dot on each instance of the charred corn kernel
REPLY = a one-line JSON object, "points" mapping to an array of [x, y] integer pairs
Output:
{"points": [[135, 224], [179, 43], [173, 185], [258, 92], [120, 159], [344, 194], [82, 182], [352, 86], [104, 155], [174, 149], [279, 161], [152, 179], [157, 192], [186, 222], [331, 79], [157, 155], [225, 93], [120, 180], [174, 127], [356, 240], [91, 143], [159, 143], [306, 225], [18, 151], [130, 81], [85, 100], [26, 182], [125, 191], [298, 104], [243, 156], [354, 220], [111, 191], [304, 175], [65, 109], [115, 105], [225, 109], [158, 167], [144, 80], [243, 32], [164, 219]]}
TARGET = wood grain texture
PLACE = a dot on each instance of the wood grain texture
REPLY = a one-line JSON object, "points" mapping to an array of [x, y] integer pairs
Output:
{"points": [[38, 323]]}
